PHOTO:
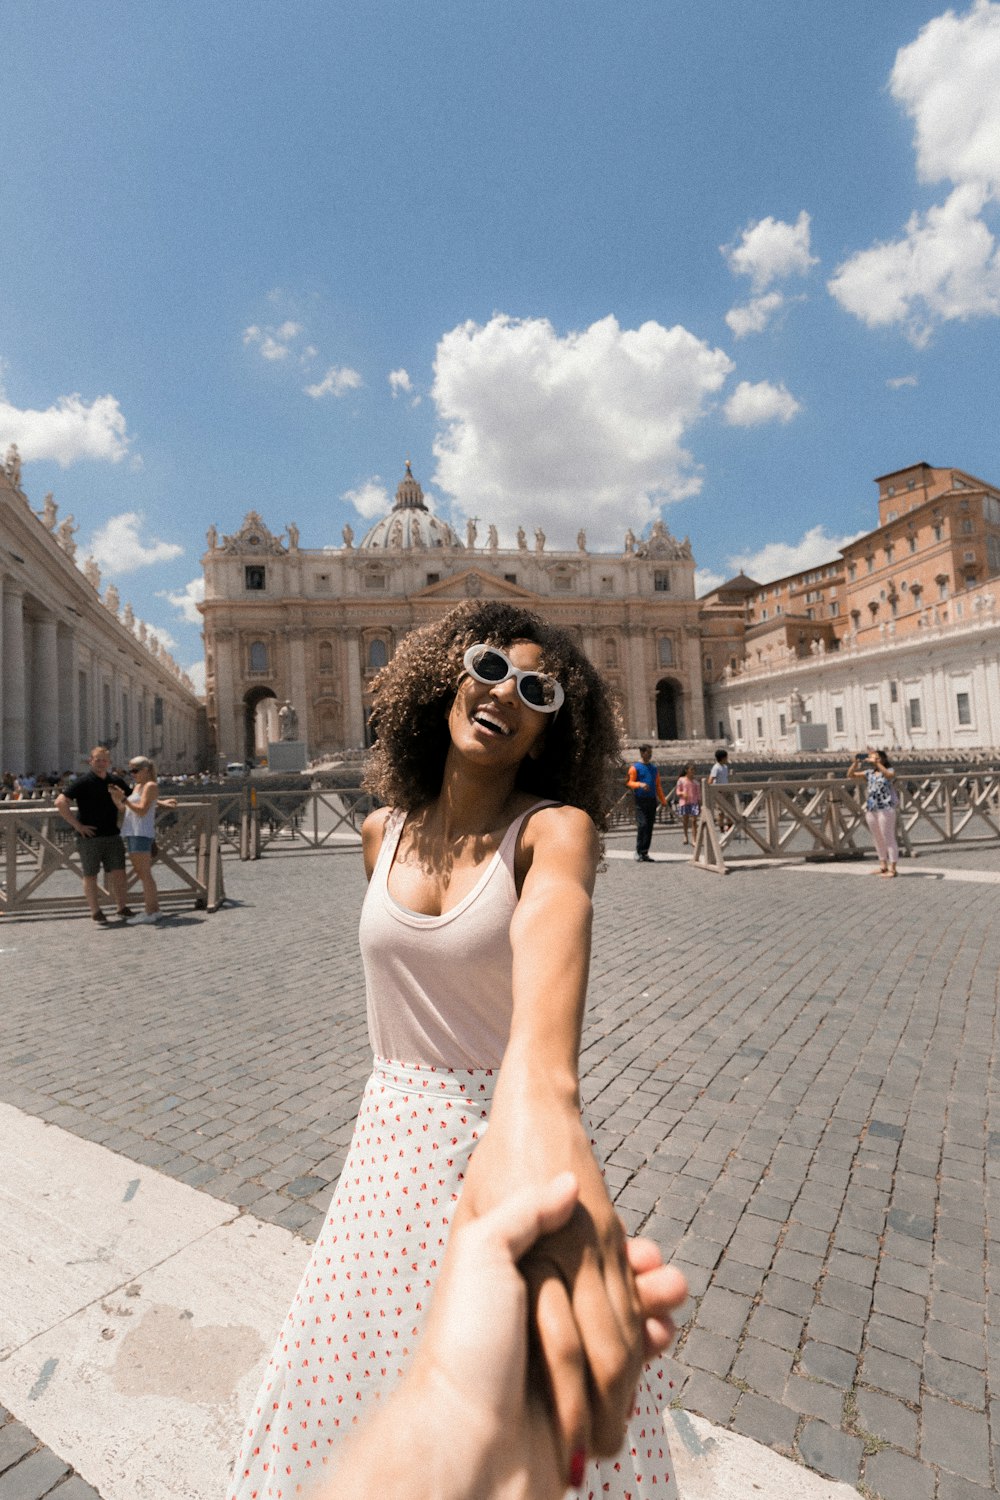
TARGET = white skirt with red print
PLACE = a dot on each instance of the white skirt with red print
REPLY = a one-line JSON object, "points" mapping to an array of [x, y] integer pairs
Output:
{"points": [[356, 1318]]}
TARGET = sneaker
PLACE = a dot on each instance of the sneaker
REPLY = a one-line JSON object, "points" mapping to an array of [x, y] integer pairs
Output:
{"points": [[125, 912], [148, 919], [100, 918]]}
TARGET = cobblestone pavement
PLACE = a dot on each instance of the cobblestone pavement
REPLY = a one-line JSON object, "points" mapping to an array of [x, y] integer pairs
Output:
{"points": [[793, 1079]]}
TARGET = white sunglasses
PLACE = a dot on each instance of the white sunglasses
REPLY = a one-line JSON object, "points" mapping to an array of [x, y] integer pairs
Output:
{"points": [[537, 689]]}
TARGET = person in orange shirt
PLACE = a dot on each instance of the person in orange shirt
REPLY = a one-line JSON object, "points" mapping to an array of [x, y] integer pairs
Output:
{"points": [[644, 784]]}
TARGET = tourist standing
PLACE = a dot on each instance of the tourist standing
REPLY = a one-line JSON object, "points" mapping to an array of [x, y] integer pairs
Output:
{"points": [[496, 752], [881, 802], [687, 793], [644, 784], [719, 776], [96, 824], [138, 829]]}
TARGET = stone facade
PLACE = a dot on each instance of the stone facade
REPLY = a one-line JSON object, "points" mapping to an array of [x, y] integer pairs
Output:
{"points": [[73, 671], [314, 626]]}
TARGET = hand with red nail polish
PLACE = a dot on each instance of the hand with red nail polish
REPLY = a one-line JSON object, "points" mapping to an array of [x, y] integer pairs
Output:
{"points": [[469, 1422]]}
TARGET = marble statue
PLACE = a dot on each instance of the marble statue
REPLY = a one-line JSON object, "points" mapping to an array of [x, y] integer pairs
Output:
{"points": [[128, 616], [212, 538], [470, 533], [581, 541], [348, 536], [92, 573], [288, 721], [49, 512], [539, 539], [112, 599], [630, 540], [65, 533], [522, 540], [12, 465], [293, 537], [492, 540]]}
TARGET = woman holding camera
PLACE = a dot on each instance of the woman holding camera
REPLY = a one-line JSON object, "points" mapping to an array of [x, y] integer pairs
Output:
{"points": [[881, 803]]}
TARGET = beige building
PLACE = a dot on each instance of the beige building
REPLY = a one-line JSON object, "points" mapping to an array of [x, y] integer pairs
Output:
{"points": [[76, 669], [313, 626]]}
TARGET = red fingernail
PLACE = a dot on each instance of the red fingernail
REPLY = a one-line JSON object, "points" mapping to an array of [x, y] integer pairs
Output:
{"points": [[577, 1467]]}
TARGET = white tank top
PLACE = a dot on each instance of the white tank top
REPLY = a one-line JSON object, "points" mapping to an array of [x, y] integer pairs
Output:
{"points": [[137, 825], [439, 988]]}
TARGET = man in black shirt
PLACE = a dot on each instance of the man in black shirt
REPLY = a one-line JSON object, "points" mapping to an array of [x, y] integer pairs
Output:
{"points": [[96, 823]]}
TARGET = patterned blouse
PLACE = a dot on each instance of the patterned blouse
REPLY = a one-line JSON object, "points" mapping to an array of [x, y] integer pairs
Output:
{"points": [[881, 792]]}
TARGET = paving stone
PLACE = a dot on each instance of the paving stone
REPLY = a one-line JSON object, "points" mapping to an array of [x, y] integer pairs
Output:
{"points": [[814, 1398], [885, 1417], [708, 1351], [765, 1421], [955, 1439], [74, 1488], [894, 1476], [947, 1377], [951, 1487], [830, 1326], [763, 1367], [33, 1477], [887, 1372], [15, 1442], [835, 1454], [824, 1362], [723, 1312]]}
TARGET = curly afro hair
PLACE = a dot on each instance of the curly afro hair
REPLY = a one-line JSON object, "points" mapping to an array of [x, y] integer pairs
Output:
{"points": [[581, 759]]}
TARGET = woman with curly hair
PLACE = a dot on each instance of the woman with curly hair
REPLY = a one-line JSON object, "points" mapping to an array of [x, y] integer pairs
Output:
{"points": [[497, 758]]}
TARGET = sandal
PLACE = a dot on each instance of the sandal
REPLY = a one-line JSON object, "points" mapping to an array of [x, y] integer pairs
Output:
{"points": [[99, 918]]}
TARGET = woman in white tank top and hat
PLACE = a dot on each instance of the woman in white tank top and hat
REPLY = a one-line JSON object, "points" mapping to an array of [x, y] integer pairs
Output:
{"points": [[497, 758], [138, 829]]}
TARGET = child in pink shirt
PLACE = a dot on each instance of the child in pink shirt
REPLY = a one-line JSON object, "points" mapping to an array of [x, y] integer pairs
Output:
{"points": [[687, 793]]}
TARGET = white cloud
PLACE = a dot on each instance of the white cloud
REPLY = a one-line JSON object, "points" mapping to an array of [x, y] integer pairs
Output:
{"points": [[370, 499], [752, 405], [117, 548], [400, 381], [196, 672], [754, 316], [585, 429], [899, 381], [338, 380], [770, 250], [705, 581], [186, 600], [273, 343], [777, 559], [67, 432], [946, 266]]}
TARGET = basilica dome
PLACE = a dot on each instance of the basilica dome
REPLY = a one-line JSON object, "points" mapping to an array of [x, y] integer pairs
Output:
{"points": [[409, 525]]}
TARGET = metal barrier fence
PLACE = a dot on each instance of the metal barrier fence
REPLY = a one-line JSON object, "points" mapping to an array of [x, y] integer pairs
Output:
{"points": [[822, 818], [40, 871], [320, 817]]}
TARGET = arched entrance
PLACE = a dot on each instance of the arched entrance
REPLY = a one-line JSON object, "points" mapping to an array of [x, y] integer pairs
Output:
{"points": [[669, 711], [260, 706]]}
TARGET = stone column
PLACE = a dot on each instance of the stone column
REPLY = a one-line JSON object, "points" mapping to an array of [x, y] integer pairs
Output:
{"points": [[69, 698], [14, 726], [354, 716], [640, 713], [299, 693], [45, 706]]}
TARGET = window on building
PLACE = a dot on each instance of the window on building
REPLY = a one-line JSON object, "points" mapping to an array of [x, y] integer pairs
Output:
{"points": [[870, 561], [852, 571], [838, 719], [893, 692], [722, 730], [661, 581], [873, 722], [914, 713], [760, 727], [834, 608], [321, 583], [255, 576], [607, 583], [942, 584], [378, 655], [970, 578], [562, 583], [732, 664], [911, 539], [777, 609], [258, 657], [889, 550], [782, 724], [810, 613], [325, 656], [375, 581], [890, 515], [510, 578], [739, 729], [433, 578], [938, 531], [665, 651], [963, 708], [763, 614], [894, 606], [158, 712], [708, 666], [967, 528]]}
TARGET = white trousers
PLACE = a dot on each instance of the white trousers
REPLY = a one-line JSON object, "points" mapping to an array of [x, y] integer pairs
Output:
{"points": [[883, 830]]}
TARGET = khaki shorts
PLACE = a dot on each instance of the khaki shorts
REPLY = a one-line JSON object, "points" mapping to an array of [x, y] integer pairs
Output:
{"points": [[95, 852]]}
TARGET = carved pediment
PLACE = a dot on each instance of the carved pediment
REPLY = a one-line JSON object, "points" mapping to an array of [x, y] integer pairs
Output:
{"points": [[474, 583], [253, 537]]}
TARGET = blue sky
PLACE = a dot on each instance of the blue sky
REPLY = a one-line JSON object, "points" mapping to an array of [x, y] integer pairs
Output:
{"points": [[584, 264]]}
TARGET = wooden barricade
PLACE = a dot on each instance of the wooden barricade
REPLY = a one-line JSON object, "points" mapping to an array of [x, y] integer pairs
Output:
{"points": [[823, 818], [38, 854], [317, 818]]}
